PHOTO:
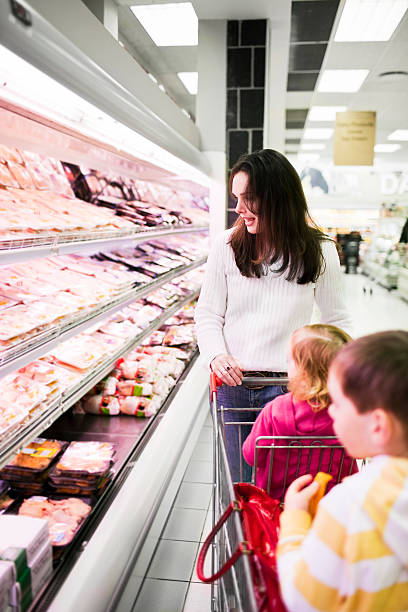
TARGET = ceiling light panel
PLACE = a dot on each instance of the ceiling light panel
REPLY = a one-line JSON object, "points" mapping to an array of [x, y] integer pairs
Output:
{"points": [[369, 20], [325, 113], [190, 81], [386, 148], [169, 25], [317, 133], [342, 80], [399, 135], [312, 146]]}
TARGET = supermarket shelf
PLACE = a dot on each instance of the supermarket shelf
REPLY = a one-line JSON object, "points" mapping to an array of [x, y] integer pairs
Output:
{"points": [[37, 346], [34, 248], [13, 443]]}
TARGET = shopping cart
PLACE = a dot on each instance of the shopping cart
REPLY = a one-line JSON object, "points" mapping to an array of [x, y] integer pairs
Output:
{"points": [[234, 591]]}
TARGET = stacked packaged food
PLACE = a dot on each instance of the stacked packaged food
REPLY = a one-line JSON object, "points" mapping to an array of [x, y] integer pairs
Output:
{"points": [[28, 471], [25, 560]]}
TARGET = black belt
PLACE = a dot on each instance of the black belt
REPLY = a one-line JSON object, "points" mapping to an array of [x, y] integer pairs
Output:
{"points": [[264, 373], [260, 374]]}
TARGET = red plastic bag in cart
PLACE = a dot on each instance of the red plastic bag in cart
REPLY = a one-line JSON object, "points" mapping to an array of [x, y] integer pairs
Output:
{"points": [[260, 523]]}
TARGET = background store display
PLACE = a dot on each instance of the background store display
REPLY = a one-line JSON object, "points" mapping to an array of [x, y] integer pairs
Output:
{"points": [[382, 261]]}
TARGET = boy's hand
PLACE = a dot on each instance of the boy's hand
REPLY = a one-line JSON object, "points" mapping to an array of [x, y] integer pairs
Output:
{"points": [[298, 495]]}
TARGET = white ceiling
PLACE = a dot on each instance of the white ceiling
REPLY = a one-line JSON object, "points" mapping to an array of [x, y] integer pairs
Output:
{"points": [[388, 97]]}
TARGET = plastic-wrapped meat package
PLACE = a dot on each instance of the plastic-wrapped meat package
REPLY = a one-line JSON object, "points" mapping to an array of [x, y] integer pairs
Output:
{"points": [[93, 458], [110, 343], [16, 321], [134, 388], [81, 352], [40, 176], [64, 516], [40, 371], [19, 294], [6, 178], [163, 350], [66, 377], [179, 334], [11, 418], [123, 329], [138, 406], [10, 154], [134, 370], [144, 315], [6, 302], [21, 174], [155, 338], [101, 404]]}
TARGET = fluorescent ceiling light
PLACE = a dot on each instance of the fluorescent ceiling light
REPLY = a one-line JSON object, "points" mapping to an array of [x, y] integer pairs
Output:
{"points": [[364, 20], [399, 135], [325, 113], [312, 146], [386, 148], [162, 88], [149, 74], [169, 25], [342, 80], [190, 81], [317, 133]]}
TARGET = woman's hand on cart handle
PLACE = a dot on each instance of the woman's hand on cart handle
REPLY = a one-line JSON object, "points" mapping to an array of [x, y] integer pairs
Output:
{"points": [[227, 369]]}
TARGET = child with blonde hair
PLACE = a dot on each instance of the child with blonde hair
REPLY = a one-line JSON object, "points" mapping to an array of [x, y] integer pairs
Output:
{"points": [[354, 555], [301, 412]]}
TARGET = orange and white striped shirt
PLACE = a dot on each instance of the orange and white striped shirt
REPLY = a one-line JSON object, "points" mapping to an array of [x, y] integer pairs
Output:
{"points": [[354, 556]]}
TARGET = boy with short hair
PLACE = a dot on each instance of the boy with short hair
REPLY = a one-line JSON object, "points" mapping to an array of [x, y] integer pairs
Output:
{"points": [[354, 556]]}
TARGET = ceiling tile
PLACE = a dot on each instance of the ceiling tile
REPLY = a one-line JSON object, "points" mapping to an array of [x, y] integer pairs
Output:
{"points": [[295, 118], [302, 81], [312, 20], [306, 56]]}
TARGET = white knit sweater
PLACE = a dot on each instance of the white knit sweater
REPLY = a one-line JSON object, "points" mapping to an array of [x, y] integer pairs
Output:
{"points": [[253, 318]]}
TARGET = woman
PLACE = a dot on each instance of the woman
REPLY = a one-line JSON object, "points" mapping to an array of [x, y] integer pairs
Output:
{"points": [[263, 276]]}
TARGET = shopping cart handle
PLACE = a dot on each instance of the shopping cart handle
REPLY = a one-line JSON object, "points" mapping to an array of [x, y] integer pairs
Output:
{"points": [[214, 382]]}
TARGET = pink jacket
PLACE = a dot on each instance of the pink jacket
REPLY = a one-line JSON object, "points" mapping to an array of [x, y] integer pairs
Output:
{"points": [[287, 416]]}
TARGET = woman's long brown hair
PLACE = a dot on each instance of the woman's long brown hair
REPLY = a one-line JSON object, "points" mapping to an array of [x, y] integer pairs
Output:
{"points": [[286, 233]]}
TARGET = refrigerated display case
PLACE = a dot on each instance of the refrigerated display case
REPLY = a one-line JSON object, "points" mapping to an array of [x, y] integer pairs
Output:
{"points": [[123, 527]]}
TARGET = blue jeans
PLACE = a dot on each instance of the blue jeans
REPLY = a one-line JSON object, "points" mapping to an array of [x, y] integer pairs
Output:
{"points": [[235, 435]]}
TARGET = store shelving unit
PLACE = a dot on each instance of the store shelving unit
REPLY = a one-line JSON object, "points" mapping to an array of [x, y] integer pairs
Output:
{"points": [[111, 538], [381, 261], [13, 443], [20, 355], [28, 249]]}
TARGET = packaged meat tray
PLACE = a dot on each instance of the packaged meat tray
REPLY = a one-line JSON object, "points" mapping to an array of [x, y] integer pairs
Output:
{"points": [[86, 459], [36, 457], [64, 516], [78, 486]]}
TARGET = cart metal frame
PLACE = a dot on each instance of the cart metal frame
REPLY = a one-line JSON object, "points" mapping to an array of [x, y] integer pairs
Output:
{"points": [[234, 592]]}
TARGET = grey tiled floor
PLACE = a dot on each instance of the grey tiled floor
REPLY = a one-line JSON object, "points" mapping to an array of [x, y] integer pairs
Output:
{"points": [[172, 584]]}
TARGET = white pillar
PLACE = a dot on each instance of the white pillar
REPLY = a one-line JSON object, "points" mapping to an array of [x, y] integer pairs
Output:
{"points": [[107, 13], [211, 112]]}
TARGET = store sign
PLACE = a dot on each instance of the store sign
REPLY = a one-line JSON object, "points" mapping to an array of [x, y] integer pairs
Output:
{"points": [[354, 138], [392, 184]]}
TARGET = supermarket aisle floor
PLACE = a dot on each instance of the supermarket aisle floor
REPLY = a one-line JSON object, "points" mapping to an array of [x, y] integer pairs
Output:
{"points": [[172, 584], [376, 309]]}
